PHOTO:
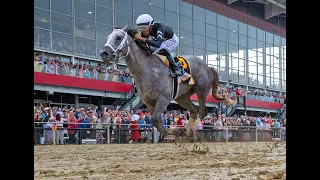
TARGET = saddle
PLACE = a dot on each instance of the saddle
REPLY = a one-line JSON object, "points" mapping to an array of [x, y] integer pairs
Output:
{"points": [[182, 63]]}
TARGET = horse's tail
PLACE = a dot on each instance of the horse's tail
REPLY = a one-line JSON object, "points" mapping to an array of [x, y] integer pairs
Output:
{"points": [[215, 88]]}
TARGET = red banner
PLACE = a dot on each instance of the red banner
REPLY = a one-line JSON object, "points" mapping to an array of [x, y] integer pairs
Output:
{"points": [[69, 81], [250, 102]]}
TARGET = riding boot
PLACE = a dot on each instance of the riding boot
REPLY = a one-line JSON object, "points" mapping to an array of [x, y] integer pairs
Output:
{"points": [[174, 67]]}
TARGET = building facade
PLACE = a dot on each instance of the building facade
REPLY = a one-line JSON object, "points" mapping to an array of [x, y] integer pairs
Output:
{"points": [[241, 53]]}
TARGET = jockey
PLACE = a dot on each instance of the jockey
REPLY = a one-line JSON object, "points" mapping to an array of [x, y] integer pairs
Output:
{"points": [[165, 40]]}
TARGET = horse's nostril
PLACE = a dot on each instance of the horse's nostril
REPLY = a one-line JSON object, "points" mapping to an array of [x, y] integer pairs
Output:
{"points": [[104, 53]]}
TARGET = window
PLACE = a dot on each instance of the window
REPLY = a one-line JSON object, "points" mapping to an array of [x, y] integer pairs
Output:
{"points": [[222, 47], [44, 39], [222, 60], [123, 19], [233, 50], [233, 25], [211, 17], [222, 34], [157, 3], [276, 51], [61, 42], [84, 29], [171, 5], [260, 69], [268, 60], [102, 32], [212, 59], [36, 37], [198, 27], [252, 32], [276, 62], [211, 31], [62, 6], [260, 81], [269, 38], [243, 28], [104, 16], [268, 72], [242, 41], [260, 46], [157, 14], [198, 41], [84, 10], [211, 45], [260, 58], [198, 52], [276, 40], [61, 23], [171, 19], [186, 38], [252, 43], [104, 3], [44, 4], [139, 8], [186, 50], [185, 9], [85, 47], [234, 63], [124, 6], [252, 67], [198, 13], [186, 23], [222, 21], [41, 18], [252, 55], [241, 65], [260, 35], [233, 37]]}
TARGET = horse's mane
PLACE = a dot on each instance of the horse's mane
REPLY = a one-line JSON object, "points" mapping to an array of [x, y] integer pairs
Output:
{"points": [[142, 45]]}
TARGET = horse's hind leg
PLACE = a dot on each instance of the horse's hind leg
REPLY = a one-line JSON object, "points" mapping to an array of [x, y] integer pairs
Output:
{"points": [[185, 102], [202, 105]]}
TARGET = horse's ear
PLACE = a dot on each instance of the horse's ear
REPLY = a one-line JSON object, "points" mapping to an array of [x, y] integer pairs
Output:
{"points": [[126, 28]]}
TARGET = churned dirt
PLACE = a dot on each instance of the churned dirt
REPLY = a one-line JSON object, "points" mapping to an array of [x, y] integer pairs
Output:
{"points": [[233, 160]]}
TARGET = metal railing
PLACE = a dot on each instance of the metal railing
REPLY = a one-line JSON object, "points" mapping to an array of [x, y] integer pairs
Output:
{"points": [[110, 133], [66, 71]]}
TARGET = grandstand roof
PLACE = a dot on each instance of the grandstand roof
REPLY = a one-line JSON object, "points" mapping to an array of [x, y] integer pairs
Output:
{"points": [[271, 7]]}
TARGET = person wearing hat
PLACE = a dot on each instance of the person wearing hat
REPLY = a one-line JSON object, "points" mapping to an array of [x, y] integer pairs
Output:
{"points": [[135, 133]]}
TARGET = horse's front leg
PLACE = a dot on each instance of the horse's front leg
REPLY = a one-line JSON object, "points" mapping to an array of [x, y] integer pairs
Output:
{"points": [[156, 119]]}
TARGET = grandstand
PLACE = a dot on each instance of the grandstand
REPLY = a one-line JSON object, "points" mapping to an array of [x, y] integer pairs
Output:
{"points": [[244, 40]]}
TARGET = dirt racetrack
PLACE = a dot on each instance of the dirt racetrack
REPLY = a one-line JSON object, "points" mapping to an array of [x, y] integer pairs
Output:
{"points": [[234, 161]]}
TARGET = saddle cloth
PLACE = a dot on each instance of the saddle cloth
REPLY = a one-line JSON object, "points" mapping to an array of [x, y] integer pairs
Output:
{"points": [[187, 75]]}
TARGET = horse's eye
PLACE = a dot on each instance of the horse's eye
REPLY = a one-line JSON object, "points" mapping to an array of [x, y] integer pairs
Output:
{"points": [[118, 38]]}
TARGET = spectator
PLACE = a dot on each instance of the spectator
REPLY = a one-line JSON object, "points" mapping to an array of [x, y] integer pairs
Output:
{"points": [[135, 134], [71, 126], [59, 130], [48, 131]]}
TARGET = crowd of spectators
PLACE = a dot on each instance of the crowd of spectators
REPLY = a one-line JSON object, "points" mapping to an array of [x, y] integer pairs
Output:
{"points": [[53, 65], [125, 126], [257, 94]]}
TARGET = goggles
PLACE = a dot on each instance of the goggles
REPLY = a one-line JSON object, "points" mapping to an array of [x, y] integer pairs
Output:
{"points": [[143, 27]]}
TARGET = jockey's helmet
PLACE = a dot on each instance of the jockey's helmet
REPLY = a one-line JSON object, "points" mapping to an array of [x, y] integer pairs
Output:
{"points": [[144, 21]]}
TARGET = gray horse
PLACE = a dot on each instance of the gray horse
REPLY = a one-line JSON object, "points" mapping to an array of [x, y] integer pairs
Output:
{"points": [[154, 83]]}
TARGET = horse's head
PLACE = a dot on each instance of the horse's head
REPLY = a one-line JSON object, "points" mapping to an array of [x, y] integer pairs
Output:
{"points": [[117, 45]]}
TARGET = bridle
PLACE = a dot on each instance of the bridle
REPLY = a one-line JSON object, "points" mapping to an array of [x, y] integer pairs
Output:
{"points": [[121, 46]]}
